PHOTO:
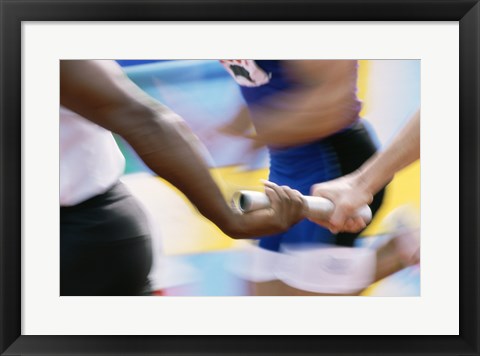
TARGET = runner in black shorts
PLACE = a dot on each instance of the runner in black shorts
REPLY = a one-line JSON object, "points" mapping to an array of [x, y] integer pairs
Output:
{"points": [[105, 242]]}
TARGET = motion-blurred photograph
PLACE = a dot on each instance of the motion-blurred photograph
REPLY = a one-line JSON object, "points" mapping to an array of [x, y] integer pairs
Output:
{"points": [[240, 177]]}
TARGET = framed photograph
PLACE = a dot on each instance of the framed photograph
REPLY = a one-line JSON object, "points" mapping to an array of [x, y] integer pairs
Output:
{"points": [[208, 293]]}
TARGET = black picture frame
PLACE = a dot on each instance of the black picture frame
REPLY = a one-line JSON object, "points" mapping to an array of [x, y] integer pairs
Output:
{"points": [[13, 12]]}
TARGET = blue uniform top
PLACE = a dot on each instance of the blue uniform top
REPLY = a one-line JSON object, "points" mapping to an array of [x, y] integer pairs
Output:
{"points": [[278, 82]]}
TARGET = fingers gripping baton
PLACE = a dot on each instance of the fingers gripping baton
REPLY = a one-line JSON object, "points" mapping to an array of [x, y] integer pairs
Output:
{"points": [[317, 207]]}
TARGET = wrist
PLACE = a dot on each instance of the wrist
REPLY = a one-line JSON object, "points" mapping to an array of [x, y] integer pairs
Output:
{"points": [[361, 182], [233, 225]]}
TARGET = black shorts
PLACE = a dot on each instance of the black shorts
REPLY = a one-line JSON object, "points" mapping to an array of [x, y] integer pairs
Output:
{"points": [[105, 246]]}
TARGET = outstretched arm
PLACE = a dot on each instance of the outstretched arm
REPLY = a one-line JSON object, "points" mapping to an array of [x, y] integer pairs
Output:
{"points": [[100, 92], [357, 189]]}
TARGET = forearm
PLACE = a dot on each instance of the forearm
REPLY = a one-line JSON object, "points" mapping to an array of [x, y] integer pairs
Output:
{"points": [[170, 151], [402, 151], [168, 147]]}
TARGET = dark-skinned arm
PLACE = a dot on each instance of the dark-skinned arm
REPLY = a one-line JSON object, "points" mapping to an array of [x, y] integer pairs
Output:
{"points": [[100, 92]]}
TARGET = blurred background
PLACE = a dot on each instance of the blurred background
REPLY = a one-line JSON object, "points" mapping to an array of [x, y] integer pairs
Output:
{"points": [[191, 255]]}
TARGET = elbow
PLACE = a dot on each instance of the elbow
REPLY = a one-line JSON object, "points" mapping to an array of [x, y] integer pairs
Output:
{"points": [[132, 119], [352, 105], [349, 112]]}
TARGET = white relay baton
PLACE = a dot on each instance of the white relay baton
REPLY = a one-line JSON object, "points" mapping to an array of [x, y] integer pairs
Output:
{"points": [[318, 207]]}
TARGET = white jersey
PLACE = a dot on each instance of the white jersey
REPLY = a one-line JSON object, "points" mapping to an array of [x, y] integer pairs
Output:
{"points": [[90, 160]]}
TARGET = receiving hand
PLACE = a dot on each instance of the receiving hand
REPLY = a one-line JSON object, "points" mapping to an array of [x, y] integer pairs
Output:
{"points": [[347, 194]]}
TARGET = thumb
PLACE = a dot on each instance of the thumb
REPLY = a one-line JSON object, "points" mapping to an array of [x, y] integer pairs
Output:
{"points": [[337, 219]]}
